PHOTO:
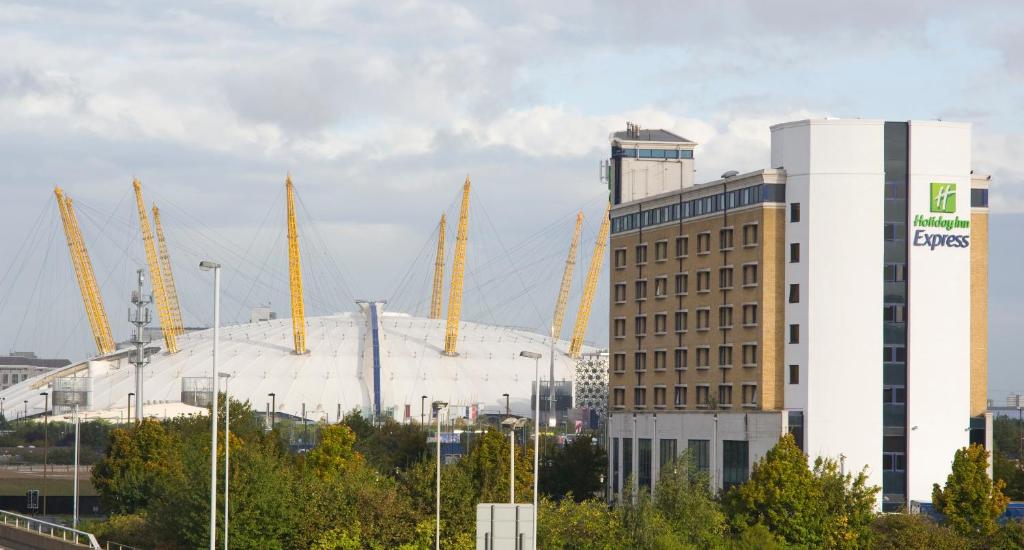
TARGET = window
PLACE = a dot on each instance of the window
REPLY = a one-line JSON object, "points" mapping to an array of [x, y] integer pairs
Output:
{"points": [[619, 362], [704, 243], [641, 325], [794, 294], [680, 321], [661, 251], [725, 395], [682, 281], [640, 361], [796, 427], [641, 290], [794, 334], [660, 359], [702, 396], [750, 237], [682, 247], [680, 396], [620, 258], [895, 273], [794, 212], [659, 396], [725, 356], [643, 476], [666, 452], [894, 394], [750, 275], [680, 359], [620, 293], [640, 397], [615, 464], [703, 357], [700, 453], [620, 328], [794, 374], [660, 323], [627, 461], [894, 354], [794, 253], [895, 231], [725, 239], [704, 281], [725, 277], [620, 397], [894, 313], [660, 287], [703, 319], [750, 315], [749, 355], [735, 463], [749, 395], [894, 462], [641, 254], [725, 317]]}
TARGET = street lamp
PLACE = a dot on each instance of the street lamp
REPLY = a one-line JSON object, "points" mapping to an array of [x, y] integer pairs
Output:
{"points": [[512, 425], [273, 408], [74, 515], [130, 396], [46, 441], [227, 450], [437, 406], [536, 432], [423, 416], [507, 410], [206, 265], [26, 410]]}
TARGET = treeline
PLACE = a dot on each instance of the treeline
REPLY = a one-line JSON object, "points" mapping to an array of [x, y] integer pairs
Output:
{"points": [[366, 486]]}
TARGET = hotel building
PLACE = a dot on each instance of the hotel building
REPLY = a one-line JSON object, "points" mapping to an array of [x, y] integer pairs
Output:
{"points": [[839, 295]]}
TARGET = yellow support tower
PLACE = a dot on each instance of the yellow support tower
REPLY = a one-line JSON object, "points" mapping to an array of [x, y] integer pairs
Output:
{"points": [[583, 314], [165, 269], [451, 333], [295, 273], [91, 298], [163, 308], [435, 297], [563, 291]]}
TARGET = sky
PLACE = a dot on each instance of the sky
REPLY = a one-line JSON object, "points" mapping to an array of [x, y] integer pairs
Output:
{"points": [[380, 110]]}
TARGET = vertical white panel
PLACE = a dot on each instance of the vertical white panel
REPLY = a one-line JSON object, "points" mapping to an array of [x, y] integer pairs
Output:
{"points": [[938, 339]]}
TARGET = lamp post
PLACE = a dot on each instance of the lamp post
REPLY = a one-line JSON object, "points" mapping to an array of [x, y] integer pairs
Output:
{"points": [[507, 410], [227, 450], [2, 399], [46, 441], [536, 433], [423, 416], [438, 406], [26, 410], [74, 488], [215, 267], [273, 408], [512, 425], [130, 396]]}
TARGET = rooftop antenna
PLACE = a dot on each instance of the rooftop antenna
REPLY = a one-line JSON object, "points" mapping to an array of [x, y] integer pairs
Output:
{"points": [[140, 318]]}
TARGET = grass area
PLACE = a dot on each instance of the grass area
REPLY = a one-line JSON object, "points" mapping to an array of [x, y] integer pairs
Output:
{"points": [[58, 483]]}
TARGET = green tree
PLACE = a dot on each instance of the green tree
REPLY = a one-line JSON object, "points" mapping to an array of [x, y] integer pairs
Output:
{"points": [[1006, 436], [971, 501], [1009, 472], [819, 507], [1010, 536], [900, 531], [126, 478], [683, 496], [574, 468], [643, 524], [570, 525], [334, 451]]}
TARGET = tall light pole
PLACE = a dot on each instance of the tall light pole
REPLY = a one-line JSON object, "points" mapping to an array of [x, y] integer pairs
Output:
{"points": [[423, 415], [273, 408], [46, 441], [140, 318], [507, 410], [207, 266], [2, 399], [74, 488], [512, 425], [438, 406], [552, 415], [227, 450], [130, 396], [536, 433]]}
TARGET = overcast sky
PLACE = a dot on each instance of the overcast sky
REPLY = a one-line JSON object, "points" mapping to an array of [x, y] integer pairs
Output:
{"points": [[380, 109]]}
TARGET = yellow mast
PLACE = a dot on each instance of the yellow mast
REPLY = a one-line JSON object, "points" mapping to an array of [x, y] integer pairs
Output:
{"points": [[295, 273], [451, 334], [163, 308], [583, 314], [563, 291], [165, 269], [435, 297], [91, 298]]}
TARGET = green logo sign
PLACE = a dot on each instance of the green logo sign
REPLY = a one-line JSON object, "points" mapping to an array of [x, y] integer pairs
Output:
{"points": [[943, 198]]}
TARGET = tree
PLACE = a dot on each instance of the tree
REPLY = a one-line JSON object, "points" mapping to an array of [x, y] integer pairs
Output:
{"points": [[899, 531], [574, 468], [568, 524], [819, 507], [971, 501], [126, 478], [683, 496], [1009, 472], [334, 451]]}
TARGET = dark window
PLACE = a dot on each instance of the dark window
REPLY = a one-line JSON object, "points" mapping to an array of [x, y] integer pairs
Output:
{"points": [[895, 232], [627, 461], [680, 358], [725, 239], [682, 281], [682, 246], [895, 273], [794, 334], [794, 253], [700, 453], [750, 235], [794, 294], [615, 465], [794, 374], [644, 463], [666, 452], [979, 198], [725, 395], [640, 361], [641, 254], [680, 396], [794, 212], [796, 426], [735, 463], [725, 277]]}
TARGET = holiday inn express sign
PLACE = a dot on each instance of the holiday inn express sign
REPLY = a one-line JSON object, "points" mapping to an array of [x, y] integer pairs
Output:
{"points": [[941, 200]]}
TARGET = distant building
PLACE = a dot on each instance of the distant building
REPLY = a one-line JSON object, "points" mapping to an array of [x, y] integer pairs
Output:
{"points": [[20, 366], [839, 295]]}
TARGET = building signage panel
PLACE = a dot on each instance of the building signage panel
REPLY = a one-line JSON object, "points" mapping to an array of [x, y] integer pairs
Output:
{"points": [[941, 200]]}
